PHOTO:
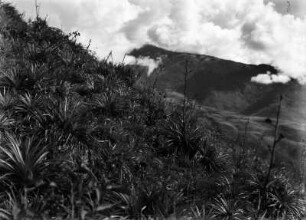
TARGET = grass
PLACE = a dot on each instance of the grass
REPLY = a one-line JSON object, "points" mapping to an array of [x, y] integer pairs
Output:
{"points": [[82, 138]]}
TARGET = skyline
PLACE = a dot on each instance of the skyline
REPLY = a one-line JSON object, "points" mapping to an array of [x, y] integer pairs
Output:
{"points": [[253, 31]]}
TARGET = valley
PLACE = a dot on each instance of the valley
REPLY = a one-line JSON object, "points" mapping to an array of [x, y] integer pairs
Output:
{"points": [[223, 90]]}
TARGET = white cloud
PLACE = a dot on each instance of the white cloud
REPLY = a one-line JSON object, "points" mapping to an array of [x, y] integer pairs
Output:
{"points": [[268, 78], [251, 31], [296, 7], [144, 61]]}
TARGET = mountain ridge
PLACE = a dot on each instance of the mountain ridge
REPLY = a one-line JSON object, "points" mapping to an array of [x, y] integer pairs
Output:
{"points": [[80, 138], [224, 91], [212, 80]]}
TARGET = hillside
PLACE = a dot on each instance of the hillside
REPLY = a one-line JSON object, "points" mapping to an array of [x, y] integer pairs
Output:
{"points": [[224, 85], [214, 82], [224, 91], [81, 138]]}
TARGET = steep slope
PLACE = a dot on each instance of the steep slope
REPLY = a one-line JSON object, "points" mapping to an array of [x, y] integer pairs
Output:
{"points": [[214, 82], [223, 84], [81, 139], [224, 90]]}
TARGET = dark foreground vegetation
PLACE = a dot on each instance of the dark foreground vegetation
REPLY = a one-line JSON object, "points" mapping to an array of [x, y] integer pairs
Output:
{"points": [[82, 139]]}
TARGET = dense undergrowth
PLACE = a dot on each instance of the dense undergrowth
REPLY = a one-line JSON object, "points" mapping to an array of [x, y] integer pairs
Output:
{"points": [[82, 139]]}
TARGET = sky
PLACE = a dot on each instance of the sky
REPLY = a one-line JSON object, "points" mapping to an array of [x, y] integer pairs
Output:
{"points": [[249, 31]]}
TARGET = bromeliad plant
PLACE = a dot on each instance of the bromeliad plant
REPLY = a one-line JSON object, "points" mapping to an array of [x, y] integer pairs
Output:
{"points": [[277, 199], [227, 209], [183, 135], [83, 139], [23, 161]]}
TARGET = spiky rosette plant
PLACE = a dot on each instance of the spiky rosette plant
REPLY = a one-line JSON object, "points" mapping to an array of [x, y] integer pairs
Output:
{"points": [[183, 135], [227, 209], [276, 199], [23, 160]]}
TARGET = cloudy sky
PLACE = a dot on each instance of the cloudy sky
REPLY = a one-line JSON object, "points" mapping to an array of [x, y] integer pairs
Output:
{"points": [[249, 31]]}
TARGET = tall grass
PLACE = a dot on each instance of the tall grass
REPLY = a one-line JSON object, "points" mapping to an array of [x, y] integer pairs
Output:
{"points": [[80, 138]]}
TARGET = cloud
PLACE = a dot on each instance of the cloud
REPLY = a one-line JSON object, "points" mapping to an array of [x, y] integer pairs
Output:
{"points": [[268, 78], [144, 61], [253, 31], [296, 7]]}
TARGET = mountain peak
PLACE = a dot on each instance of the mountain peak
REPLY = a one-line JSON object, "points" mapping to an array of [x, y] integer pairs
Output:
{"points": [[149, 50], [154, 52], [215, 82]]}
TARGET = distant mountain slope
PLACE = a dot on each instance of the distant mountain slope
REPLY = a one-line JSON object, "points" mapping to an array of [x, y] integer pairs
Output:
{"points": [[82, 138], [218, 83], [226, 93]]}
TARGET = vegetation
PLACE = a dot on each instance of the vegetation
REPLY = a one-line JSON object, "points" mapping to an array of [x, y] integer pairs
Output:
{"points": [[81, 138]]}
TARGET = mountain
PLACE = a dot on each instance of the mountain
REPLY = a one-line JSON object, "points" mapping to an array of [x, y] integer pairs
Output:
{"points": [[222, 84], [224, 90], [214, 82], [82, 138]]}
